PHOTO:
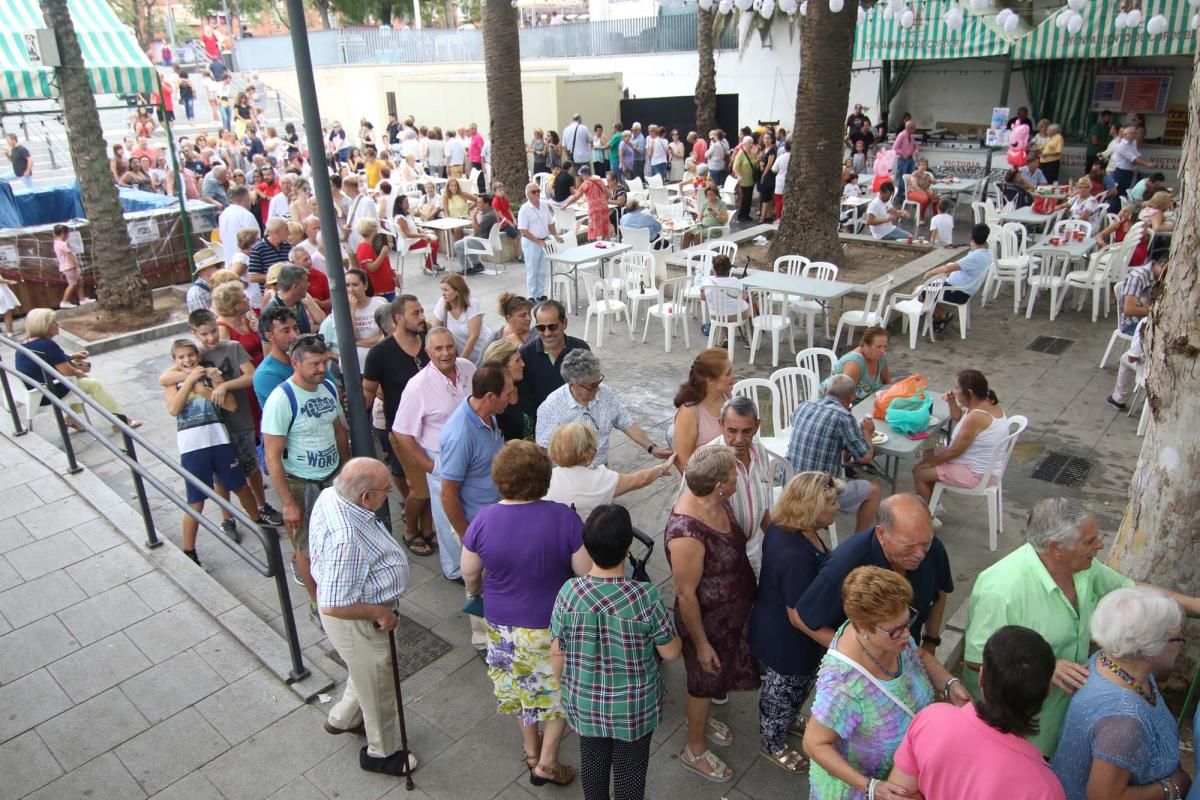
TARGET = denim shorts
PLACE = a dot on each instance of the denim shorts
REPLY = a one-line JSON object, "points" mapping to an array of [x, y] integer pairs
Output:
{"points": [[219, 461]]}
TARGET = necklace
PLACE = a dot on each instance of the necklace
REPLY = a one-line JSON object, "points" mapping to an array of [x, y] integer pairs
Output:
{"points": [[1147, 694], [876, 662]]}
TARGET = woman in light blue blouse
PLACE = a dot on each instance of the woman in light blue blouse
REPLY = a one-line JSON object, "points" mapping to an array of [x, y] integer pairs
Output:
{"points": [[1119, 739], [867, 363]]}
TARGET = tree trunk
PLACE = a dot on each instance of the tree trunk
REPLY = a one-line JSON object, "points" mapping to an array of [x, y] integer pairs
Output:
{"points": [[323, 11], [448, 7], [122, 292], [810, 220], [502, 66], [1159, 541], [706, 82]]}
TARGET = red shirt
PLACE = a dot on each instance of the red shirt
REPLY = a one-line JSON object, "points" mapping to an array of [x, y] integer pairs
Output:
{"points": [[212, 47], [318, 286], [503, 210], [268, 190], [382, 279]]}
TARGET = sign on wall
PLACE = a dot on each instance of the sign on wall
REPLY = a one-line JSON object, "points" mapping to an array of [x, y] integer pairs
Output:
{"points": [[1128, 90]]}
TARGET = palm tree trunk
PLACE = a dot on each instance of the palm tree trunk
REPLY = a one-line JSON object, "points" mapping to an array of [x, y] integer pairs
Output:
{"points": [[810, 217], [123, 294], [1157, 541], [448, 10], [706, 83], [502, 67]]}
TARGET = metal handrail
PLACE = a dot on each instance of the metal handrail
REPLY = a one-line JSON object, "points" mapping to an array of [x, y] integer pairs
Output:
{"points": [[268, 536]]}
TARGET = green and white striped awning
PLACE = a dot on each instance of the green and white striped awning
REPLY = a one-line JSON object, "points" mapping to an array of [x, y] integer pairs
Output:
{"points": [[931, 38], [115, 63]]}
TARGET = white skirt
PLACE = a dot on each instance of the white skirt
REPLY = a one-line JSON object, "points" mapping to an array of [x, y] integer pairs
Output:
{"points": [[8, 300]]}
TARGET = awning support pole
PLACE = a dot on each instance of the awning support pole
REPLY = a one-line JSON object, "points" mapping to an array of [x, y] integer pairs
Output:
{"points": [[1005, 84], [180, 193]]}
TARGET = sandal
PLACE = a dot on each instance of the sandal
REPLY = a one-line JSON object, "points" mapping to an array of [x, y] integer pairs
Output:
{"points": [[788, 759], [562, 776], [717, 772], [797, 727], [418, 546], [718, 733]]}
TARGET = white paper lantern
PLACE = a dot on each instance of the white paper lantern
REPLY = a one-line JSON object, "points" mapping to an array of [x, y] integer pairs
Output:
{"points": [[1121, 22], [978, 5], [907, 18], [1194, 3], [1075, 25], [1060, 21], [1077, 5], [1012, 23], [953, 19], [862, 15], [887, 13], [836, 6], [725, 6], [787, 6], [1134, 18], [705, 5], [1157, 25], [804, 8], [743, 5], [767, 9]]}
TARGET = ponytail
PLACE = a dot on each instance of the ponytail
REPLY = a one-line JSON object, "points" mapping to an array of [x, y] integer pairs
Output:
{"points": [[973, 381]]}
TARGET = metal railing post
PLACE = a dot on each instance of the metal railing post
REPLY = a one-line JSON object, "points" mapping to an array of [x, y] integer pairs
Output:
{"points": [[72, 464], [139, 486], [275, 560], [18, 430]]}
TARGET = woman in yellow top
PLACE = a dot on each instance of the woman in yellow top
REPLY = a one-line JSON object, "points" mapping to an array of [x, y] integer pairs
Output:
{"points": [[1052, 153], [371, 167], [456, 203]]}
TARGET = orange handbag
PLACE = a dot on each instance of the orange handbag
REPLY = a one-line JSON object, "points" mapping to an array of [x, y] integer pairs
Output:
{"points": [[904, 388]]}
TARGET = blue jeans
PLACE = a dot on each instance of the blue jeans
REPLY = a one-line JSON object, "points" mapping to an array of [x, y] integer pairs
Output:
{"points": [[660, 169], [897, 233], [227, 117], [536, 269], [718, 176], [449, 548], [904, 166], [1124, 179], [189, 108]]}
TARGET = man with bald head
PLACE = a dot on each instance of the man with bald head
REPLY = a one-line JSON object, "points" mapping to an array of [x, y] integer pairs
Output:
{"points": [[361, 573], [902, 541], [271, 249]]}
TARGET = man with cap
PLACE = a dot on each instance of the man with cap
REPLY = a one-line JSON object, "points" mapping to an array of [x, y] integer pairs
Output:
{"points": [[199, 294]]}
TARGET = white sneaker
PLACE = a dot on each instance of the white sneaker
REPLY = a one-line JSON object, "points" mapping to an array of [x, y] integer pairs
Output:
{"points": [[87, 300], [66, 305]]}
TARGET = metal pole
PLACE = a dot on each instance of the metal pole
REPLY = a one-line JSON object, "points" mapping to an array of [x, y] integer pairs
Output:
{"points": [[12, 405], [1005, 83], [72, 464], [139, 486], [183, 212], [361, 441], [275, 560]]}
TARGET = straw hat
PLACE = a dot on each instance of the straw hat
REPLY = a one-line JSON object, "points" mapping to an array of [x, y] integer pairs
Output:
{"points": [[207, 257]]}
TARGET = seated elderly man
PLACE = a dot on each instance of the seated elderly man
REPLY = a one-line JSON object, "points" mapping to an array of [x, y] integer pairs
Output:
{"points": [[636, 217], [361, 572], [1051, 584], [1134, 293], [752, 500], [1031, 176], [825, 436], [902, 541], [584, 398], [963, 277]]}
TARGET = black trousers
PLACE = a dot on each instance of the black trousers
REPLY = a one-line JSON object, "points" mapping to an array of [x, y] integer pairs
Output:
{"points": [[745, 197], [627, 761]]}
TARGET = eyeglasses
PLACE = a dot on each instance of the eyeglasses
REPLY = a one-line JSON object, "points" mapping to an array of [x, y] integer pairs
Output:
{"points": [[548, 328], [593, 386], [900, 630]]}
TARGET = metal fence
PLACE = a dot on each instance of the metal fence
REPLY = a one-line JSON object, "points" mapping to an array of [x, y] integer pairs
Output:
{"points": [[670, 33]]}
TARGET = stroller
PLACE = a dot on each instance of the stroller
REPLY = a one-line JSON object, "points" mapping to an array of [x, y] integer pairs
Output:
{"points": [[639, 556]]}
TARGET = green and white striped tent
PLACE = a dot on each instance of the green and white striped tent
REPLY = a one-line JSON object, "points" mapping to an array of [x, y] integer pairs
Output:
{"points": [[931, 38], [115, 63]]}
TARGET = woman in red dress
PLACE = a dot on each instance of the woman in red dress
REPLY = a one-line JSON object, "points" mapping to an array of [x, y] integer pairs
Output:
{"points": [[595, 191]]}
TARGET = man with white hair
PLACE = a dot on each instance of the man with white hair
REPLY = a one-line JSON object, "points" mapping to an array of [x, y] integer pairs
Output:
{"points": [[638, 142], [1050, 584], [361, 572], [536, 226], [825, 436], [751, 502], [278, 206], [360, 207], [213, 189], [577, 141]]}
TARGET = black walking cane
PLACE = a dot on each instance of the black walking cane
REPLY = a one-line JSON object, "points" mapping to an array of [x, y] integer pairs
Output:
{"points": [[408, 781]]}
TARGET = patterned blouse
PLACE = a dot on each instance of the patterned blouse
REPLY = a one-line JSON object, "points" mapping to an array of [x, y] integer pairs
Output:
{"points": [[869, 725], [608, 629]]}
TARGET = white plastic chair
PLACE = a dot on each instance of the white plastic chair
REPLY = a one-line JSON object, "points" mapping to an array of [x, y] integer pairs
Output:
{"points": [[822, 271], [402, 255], [564, 219], [994, 492], [724, 247], [729, 190], [699, 267], [639, 238], [871, 313], [725, 297], [793, 267], [1127, 338], [915, 306], [490, 248], [672, 310], [763, 393], [985, 212], [659, 196], [817, 360], [604, 304], [964, 308], [915, 216], [33, 403], [1010, 263], [794, 385], [1050, 274], [637, 274], [544, 181], [764, 321], [654, 181], [1094, 279]]}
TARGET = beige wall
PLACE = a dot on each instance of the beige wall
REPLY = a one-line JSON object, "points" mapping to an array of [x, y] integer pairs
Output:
{"points": [[454, 94]]}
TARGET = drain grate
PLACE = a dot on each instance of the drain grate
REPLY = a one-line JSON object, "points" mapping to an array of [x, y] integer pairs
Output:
{"points": [[1063, 470], [1052, 345], [416, 647]]}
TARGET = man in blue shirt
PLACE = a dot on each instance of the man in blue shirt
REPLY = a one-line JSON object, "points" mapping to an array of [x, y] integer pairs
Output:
{"points": [[963, 277], [636, 217], [469, 441], [279, 331]]}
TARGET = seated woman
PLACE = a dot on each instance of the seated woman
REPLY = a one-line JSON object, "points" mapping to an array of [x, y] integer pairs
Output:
{"points": [[576, 484], [457, 203], [792, 554], [1014, 189], [872, 681], [980, 750], [1080, 204], [518, 553], [416, 238], [722, 306], [430, 205], [41, 326], [698, 402], [710, 213], [609, 633], [1119, 739], [867, 363], [136, 177], [980, 425], [1154, 212], [1116, 232], [920, 183], [374, 258], [410, 170]]}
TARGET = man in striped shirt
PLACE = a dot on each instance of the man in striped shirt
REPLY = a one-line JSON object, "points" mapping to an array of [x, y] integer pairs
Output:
{"points": [[273, 248], [361, 573], [752, 501]]}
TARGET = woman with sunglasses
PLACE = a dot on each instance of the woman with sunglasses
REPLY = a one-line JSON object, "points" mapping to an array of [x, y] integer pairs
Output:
{"points": [[872, 682]]}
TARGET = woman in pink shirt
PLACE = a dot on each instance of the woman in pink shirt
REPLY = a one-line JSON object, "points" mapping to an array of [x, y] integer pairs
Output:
{"points": [[980, 750]]}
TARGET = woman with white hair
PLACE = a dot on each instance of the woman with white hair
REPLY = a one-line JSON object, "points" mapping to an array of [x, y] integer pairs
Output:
{"points": [[1051, 151], [1119, 739]]}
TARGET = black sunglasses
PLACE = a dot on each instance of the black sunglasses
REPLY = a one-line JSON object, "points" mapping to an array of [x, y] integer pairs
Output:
{"points": [[548, 328]]}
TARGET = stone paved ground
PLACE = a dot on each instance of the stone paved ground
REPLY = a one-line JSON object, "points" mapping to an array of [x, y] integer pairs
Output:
{"points": [[117, 685]]}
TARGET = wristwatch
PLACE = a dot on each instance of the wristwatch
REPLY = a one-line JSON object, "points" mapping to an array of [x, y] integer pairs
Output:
{"points": [[650, 448]]}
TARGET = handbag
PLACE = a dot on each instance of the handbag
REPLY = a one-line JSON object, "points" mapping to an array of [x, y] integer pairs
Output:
{"points": [[474, 605], [877, 683], [1043, 205], [909, 414], [904, 388]]}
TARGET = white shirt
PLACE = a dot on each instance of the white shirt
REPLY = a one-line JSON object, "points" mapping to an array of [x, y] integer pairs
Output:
{"points": [[578, 141], [780, 169], [411, 147], [721, 304], [361, 207], [535, 219], [656, 149], [460, 326], [278, 207], [880, 210], [1124, 153], [233, 219], [456, 152], [582, 488], [943, 226], [437, 153]]}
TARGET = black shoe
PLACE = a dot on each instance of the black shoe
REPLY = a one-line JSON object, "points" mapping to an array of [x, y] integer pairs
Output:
{"points": [[267, 515], [475, 270], [231, 530], [398, 763], [542, 298], [459, 580], [1112, 401], [192, 555]]}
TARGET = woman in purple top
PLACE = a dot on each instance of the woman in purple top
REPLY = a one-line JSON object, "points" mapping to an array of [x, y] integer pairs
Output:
{"points": [[521, 551]]}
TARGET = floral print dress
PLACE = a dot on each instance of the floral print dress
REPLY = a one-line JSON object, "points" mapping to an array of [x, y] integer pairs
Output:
{"points": [[595, 191]]}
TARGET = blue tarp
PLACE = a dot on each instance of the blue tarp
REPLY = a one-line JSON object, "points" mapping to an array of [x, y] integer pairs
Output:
{"points": [[9, 216], [53, 204]]}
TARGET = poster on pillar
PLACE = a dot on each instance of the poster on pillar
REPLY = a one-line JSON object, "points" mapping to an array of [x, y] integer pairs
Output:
{"points": [[997, 134], [1129, 90]]}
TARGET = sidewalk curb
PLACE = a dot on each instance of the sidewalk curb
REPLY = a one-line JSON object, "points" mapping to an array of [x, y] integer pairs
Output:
{"points": [[240, 622]]}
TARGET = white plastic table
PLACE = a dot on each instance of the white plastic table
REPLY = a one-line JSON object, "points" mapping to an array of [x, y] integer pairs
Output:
{"points": [[810, 288], [1027, 217], [444, 225], [594, 251], [898, 446], [1075, 249]]}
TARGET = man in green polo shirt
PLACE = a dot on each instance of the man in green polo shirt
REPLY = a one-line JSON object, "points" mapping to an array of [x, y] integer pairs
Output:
{"points": [[1051, 585]]}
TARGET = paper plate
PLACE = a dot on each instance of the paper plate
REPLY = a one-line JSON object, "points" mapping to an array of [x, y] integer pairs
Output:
{"points": [[879, 438], [934, 421]]}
